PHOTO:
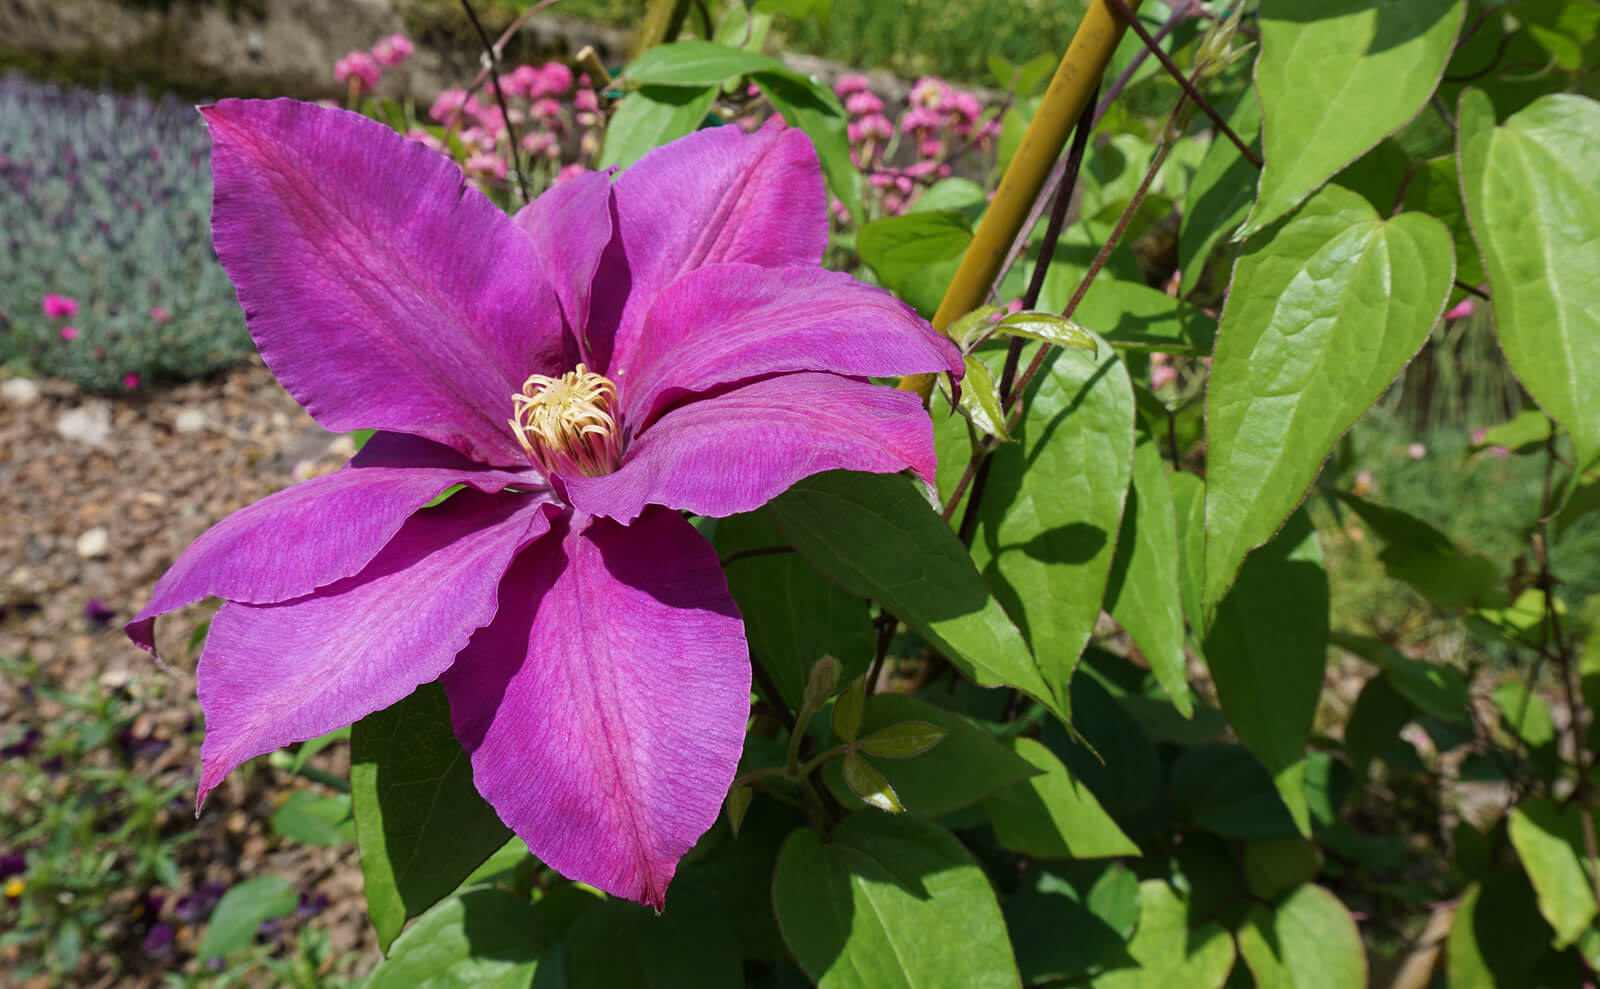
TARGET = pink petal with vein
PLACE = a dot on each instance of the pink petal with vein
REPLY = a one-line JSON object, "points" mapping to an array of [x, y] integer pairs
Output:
{"points": [[381, 290], [280, 673], [736, 451], [604, 709]]}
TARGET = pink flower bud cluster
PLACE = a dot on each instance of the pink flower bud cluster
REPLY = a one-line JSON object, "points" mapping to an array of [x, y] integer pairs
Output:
{"points": [[56, 306], [939, 125], [361, 70], [555, 116]]}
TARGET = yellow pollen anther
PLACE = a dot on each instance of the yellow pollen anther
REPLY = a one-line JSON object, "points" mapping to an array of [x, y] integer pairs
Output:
{"points": [[568, 425]]}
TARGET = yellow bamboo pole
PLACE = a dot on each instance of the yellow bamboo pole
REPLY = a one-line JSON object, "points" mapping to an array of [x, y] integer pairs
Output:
{"points": [[1081, 67]]}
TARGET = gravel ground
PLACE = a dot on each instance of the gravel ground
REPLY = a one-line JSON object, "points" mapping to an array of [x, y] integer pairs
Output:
{"points": [[97, 497]]}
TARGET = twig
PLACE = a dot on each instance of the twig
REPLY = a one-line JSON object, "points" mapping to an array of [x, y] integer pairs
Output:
{"points": [[499, 46], [492, 54], [1120, 9]]}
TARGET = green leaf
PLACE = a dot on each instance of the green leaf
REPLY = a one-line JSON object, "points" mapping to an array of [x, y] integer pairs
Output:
{"points": [[421, 824], [1434, 188], [1053, 815], [968, 329], [868, 784], [1550, 843], [1225, 790], [1525, 432], [481, 937], [695, 63], [1107, 751], [1373, 728], [1047, 327], [847, 709], [1267, 647], [1425, 558], [1498, 936], [877, 536], [737, 805], [793, 616], [1073, 923], [904, 740], [1537, 219], [980, 399], [1335, 82], [651, 116], [1521, 623], [323, 822], [1220, 193], [890, 902], [957, 193], [1310, 939], [809, 105], [1166, 951], [1526, 714], [1134, 316], [898, 247], [1439, 691], [1142, 590], [1050, 516], [241, 912], [1325, 310], [1274, 866], [690, 945], [739, 871], [1583, 500], [1189, 508], [967, 766]]}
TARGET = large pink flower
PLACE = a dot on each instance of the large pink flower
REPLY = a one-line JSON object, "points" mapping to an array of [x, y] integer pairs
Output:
{"points": [[615, 354]]}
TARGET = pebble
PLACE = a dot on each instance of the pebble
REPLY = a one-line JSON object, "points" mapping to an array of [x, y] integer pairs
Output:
{"points": [[94, 543], [190, 421], [19, 391], [89, 424]]}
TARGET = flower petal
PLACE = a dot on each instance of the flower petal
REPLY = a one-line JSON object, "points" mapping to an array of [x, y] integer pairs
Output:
{"points": [[716, 196], [570, 225], [732, 322], [280, 673], [604, 709], [736, 451], [281, 547], [381, 290]]}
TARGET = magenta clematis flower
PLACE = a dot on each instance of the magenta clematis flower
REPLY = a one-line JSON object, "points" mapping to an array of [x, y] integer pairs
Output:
{"points": [[615, 354]]}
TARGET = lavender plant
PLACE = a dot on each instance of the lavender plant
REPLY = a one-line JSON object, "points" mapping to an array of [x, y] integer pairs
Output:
{"points": [[106, 200]]}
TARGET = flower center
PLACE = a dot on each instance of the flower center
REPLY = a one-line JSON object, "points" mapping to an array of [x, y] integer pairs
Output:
{"points": [[568, 425]]}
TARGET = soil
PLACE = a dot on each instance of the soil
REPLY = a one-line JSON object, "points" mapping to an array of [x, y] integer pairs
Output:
{"points": [[98, 496]]}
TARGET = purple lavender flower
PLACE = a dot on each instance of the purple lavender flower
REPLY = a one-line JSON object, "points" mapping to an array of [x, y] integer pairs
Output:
{"points": [[614, 354]]}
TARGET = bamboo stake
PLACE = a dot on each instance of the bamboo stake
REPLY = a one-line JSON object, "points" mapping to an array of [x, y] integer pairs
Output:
{"points": [[1080, 69]]}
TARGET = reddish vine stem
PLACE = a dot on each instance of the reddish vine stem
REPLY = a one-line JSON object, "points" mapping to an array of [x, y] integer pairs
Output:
{"points": [[1120, 9], [1014, 407], [977, 470], [492, 53]]}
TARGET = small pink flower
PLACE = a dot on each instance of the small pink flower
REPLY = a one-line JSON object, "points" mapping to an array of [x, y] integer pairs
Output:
{"points": [[863, 103], [921, 118], [520, 81], [1479, 435], [393, 50], [930, 147], [1461, 310], [447, 103], [930, 92], [69, 333], [894, 204], [57, 306], [485, 165], [851, 84], [966, 105], [160, 315], [571, 171], [1162, 375], [537, 143], [750, 124], [1499, 452], [586, 101], [557, 78], [874, 127], [921, 169], [130, 381], [1416, 451], [358, 66]]}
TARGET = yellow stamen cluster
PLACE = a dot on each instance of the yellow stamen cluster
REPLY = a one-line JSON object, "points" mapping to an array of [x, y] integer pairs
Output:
{"points": [[568, 425]]}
